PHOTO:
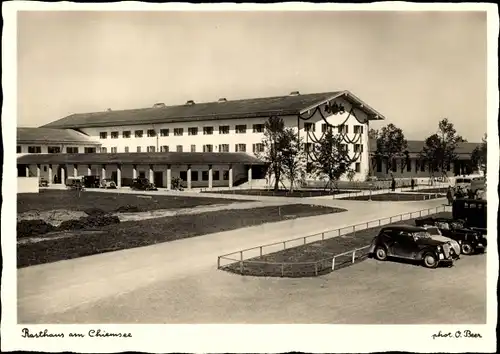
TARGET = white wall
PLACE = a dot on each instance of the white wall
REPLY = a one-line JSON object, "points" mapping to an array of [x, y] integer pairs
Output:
{"points": [[27, 185]]}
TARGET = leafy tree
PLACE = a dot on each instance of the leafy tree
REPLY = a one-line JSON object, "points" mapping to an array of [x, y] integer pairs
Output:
{"points": [[293, 157], [391, 143], [440, 147], [330, 159], [373, 134], [479, 155], [274, 145]]}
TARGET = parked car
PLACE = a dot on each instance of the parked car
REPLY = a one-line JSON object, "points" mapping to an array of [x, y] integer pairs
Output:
{"points": [[472, 211], [143, 184], [74, 182], [471, 241], [108, 183], [412, 243], [436, 234], [91, 181], [43, 183]]}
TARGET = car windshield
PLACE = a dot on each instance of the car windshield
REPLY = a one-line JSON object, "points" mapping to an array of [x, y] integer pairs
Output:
{"points": [[421, 235]]}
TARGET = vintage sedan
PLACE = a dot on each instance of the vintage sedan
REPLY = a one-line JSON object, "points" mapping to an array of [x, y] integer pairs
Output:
{"points": [[412, 243], [108, 183], [143, 184], [436, 234], [471, 241]]}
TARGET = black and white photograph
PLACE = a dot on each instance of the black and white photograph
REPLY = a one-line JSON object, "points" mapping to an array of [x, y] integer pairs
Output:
{"points": [[249, 178]]}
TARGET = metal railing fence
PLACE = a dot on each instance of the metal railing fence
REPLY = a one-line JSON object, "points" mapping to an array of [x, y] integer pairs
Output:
{"points": [[244, 260]]}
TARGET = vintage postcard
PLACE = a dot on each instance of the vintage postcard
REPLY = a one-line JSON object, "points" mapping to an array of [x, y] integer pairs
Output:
{"points": [[231, 178]]}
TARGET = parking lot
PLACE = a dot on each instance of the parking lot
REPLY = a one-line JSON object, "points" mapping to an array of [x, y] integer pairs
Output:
{"points": [[370, 292]]}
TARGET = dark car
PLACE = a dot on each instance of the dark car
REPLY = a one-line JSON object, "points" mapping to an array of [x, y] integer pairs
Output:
{"points": [[471, 241], [91, 181], [143, 184], [411, 243], [472, 211]]}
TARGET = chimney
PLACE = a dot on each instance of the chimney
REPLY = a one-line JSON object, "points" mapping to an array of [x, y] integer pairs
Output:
{"points": [[158, 105], [223, 99], [294, 93], [190, 102]]}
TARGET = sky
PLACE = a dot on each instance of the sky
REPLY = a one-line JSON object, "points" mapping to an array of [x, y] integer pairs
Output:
{"points": [[414, 67]]}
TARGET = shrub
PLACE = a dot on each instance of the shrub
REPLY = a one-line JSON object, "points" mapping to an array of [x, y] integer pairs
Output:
{"points": [[128, 208], [26, 228], [88, 222], [94, 211]]}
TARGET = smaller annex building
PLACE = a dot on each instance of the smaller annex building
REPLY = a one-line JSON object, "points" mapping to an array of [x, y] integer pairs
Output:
{"points": [[196, 169]]}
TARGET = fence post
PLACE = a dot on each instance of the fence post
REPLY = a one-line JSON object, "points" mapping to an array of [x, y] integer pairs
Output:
{"points": [[241, 255], [420, 213], [305, 240], [322, 236], [218, 262], [437, 208], [353, 256], [284, 245], [261, 251], [282, 269], [379, 222], [241, 267], [390, 222], [333, 263], [315, 268]]}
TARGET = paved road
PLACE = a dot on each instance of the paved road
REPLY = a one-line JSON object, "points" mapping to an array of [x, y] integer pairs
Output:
{"points": [[370, 292], [47, 289]]}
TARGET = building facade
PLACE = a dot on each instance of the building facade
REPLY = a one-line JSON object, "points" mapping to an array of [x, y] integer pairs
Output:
{"points": [[207, 128]]}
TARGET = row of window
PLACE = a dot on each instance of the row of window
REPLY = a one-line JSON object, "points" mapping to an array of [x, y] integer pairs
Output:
{"points": [[259, 147], [56, 150], [195, 176], [223, 129], [357, 167], [419, 166], [343, 147], [344, 129]]}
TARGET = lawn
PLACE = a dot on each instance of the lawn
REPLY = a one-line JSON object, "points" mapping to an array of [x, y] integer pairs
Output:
{"points": [[301, 193], [396, 197], [434, 190], [108, 202], [270, 264], [132, 234]]}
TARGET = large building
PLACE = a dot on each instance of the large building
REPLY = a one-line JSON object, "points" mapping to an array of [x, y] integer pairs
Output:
{"points": [[207, 144], [155, 141]]}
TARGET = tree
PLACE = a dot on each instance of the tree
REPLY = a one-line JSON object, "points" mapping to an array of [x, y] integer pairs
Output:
{"points": [[273, 142], [440, 147], [373, 134], [330, 159], [293, 158], [432, 152], [479, 155], [391, 143]]}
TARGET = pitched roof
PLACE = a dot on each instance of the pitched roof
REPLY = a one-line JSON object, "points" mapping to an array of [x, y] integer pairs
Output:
{"points": [[244, 108], [143, 158], [416, 146], [47, 135]]}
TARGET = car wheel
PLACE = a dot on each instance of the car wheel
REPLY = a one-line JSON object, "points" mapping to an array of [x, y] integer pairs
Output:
{"points": [[430, 260], [380, 253], [467, 248]]}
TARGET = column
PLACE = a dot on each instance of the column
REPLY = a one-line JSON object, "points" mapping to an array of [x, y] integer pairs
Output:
{"points": [[210, 176], [27, 170], [189, 177], [134, 171], [62, 176], [38, 171], [230, 176], [118, 175], [103, 172], [89, 170], [50, 174], [151, 174], [250, 176], [169, 177], [75, 170]]}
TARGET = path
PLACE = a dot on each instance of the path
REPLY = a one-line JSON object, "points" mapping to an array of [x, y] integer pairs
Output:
{"points": [[57, 287]]}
